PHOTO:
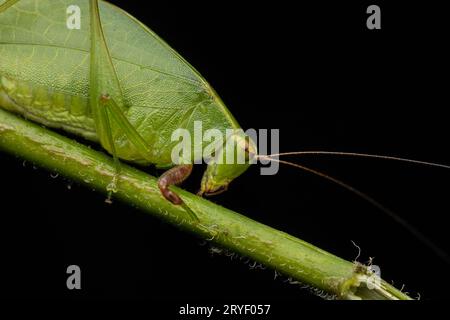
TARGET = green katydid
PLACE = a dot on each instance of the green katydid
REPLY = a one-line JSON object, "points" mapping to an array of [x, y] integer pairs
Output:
{"points": [[116, 82]]}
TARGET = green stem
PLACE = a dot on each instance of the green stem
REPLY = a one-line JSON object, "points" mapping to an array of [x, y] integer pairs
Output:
{"points": [[286, 254]]}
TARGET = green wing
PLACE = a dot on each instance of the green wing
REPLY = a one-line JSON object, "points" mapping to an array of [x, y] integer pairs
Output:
{"points": [[159, 90]]}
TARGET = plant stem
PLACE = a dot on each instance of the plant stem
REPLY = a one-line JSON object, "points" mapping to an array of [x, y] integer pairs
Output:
{"points": [[292, 257]]}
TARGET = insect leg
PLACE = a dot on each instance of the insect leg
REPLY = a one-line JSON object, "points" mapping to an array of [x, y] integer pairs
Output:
{"points": [[174, 176], [108, 113], [106, 124], [106, 101], [124, 124], [102, 78], [109, 110]]}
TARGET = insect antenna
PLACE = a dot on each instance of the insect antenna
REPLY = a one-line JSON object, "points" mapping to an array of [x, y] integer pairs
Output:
{"points": [[359, 155], [416, 233]]}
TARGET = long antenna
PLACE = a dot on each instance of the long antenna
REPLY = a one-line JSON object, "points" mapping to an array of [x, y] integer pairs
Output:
{"points": [[422, 238], [360, 155]]}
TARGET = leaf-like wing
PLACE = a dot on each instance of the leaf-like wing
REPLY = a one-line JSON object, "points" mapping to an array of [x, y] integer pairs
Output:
{"points": [[160, 90]]}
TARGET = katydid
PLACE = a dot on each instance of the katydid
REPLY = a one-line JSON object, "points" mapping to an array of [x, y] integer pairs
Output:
{"points": [[113, 81], [116, 82]]}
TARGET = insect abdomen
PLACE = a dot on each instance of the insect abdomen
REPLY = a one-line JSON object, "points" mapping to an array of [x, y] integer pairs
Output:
{"points": [[52, 108]]}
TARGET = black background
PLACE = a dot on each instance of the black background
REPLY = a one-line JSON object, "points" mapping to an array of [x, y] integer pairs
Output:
{"points": [[328, 83]]}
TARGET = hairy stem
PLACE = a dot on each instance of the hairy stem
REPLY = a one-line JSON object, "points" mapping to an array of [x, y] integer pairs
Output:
{"points": [[290, 256]]}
